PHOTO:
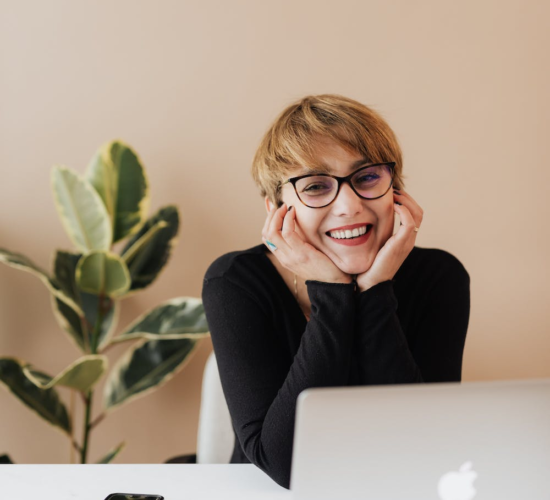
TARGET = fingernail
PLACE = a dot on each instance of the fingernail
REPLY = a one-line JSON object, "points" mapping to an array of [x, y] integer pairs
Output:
{"points": [[397, 203]]}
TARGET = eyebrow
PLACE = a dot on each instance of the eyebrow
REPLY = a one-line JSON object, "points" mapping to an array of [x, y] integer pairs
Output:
{"points": [[354, 166]]}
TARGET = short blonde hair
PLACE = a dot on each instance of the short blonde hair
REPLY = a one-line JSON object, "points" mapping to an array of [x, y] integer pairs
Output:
{"points": [[293, 138]]}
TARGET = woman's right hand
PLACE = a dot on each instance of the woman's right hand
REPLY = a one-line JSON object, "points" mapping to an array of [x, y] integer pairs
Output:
{"points": [[295, 254]]}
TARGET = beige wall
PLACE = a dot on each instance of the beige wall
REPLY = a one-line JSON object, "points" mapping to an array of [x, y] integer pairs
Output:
{"points": [[193, 85]]}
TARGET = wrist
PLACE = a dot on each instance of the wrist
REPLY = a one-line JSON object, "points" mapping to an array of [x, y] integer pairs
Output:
{"points": [[338, 280], [343, 279], [363, 285], [362, 288]]}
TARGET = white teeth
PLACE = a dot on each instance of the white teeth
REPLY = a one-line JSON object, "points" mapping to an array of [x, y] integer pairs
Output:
{"points": [[358, 231]]}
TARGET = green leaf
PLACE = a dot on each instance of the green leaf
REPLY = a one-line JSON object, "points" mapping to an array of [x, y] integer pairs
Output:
{"points": [[19, 261], [5, 459], [81, 210], [149, 249], [111, 309], [143, 241], [112, 454], [118, 176], [71, 322], [178, 318], [103, 273], [81, 375], [64, 269], [144, 367], [45, 402], [80, 326]]}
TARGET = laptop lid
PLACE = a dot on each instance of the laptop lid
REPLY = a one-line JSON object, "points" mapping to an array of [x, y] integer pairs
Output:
{"points": [[444, 441]]}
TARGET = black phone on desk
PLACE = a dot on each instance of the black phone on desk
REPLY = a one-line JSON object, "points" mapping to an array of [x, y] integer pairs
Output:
{"points": [[133, 496]]}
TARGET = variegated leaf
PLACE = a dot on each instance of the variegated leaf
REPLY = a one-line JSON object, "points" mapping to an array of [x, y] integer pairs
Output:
{"points": [[19, 261], [103, 273], [81, 210], [118, 176], [81, 326], [45, 402], [149, 249], [178, 318], [145, 367], [81, 375]]}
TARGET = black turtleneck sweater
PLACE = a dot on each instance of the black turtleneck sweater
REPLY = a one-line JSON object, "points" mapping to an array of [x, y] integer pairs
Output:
{"points": [[410, 329]]}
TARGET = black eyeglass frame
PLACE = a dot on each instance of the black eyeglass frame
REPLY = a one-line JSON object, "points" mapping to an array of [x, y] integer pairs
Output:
{"points": [[341, 180]]}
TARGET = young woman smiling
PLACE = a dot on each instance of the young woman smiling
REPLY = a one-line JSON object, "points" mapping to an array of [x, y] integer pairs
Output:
{"points": [[332, 297]]}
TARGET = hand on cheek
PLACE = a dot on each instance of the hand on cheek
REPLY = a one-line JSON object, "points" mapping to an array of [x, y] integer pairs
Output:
{"points": [[396, 249], [294, 252]]}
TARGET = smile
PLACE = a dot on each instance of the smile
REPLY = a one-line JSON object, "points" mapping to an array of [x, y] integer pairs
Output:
{"points": [[349, 233], [351, 237]]}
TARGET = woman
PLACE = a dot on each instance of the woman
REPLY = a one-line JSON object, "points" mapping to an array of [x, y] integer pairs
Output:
{"points": [[332, 297]]}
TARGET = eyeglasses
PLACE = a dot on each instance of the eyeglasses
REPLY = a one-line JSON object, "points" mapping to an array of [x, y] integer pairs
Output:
{"points": [[369, 182]]}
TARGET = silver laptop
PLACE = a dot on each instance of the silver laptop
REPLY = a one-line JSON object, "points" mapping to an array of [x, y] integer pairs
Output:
{"points": [[445, 441]]}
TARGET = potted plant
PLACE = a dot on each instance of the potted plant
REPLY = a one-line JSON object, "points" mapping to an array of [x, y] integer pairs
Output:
{"points": [[107, 205]]}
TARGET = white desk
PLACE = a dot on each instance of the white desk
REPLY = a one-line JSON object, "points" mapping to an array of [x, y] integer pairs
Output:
{"points": [[173, 481]]}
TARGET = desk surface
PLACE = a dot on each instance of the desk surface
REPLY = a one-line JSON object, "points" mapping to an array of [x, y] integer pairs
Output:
{"points": [[173, 481]]}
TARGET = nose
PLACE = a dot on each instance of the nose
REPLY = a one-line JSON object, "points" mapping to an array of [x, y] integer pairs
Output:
{"points": [[347, 203]]}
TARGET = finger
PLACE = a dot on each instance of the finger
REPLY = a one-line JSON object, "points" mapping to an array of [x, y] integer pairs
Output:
{"points": [[276, 223], [289, 225], [406, 229], [273, 232], [408, 201], [289, 233], [268, 220], [265, 229]]}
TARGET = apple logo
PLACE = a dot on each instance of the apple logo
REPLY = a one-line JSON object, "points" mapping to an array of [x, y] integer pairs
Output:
{"points": [[458, 485]]}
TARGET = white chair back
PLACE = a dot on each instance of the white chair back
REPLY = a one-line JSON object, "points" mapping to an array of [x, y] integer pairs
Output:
{"points": [[216, 439]]}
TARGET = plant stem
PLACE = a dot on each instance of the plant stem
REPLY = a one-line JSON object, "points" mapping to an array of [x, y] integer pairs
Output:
{"points": [[85, 333], [88, 396], [98, 324], [71, 413], [87, 427]]}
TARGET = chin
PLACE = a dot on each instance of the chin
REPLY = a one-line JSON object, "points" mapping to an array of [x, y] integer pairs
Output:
{"points": [[355, 267]]}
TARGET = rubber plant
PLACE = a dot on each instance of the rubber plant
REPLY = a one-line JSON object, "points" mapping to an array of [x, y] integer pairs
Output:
{"points": [[106, 205]]}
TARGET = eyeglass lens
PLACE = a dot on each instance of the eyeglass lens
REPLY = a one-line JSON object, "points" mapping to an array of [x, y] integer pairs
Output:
{"points": [[320, 190]]}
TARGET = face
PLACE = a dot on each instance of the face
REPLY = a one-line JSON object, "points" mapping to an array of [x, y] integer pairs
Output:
{"points": [[352, 256]]}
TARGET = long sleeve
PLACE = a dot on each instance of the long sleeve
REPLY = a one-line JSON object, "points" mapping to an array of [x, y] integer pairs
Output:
{"points": [[432, 351], [442, 326], [260, 381], [383, 355]]}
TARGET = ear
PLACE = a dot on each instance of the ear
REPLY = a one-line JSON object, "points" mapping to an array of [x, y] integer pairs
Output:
{"points": [[268, 204]]}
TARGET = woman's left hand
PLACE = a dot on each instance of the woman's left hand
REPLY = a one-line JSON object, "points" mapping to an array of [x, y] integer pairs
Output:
{"points": [[397, 248]]}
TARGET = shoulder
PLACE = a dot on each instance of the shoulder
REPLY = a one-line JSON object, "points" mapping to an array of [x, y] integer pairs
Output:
{"points": [[233, 262], [438, 260], [246, 272], [433, 268], [239, 279]]}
